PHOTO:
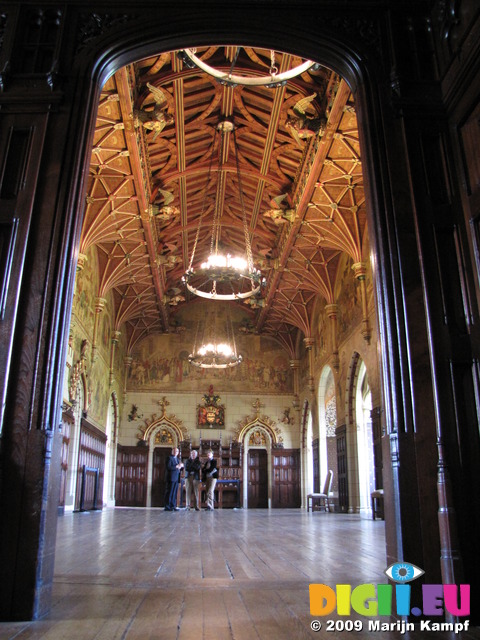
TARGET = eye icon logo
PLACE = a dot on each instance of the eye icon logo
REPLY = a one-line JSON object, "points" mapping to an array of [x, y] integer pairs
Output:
{"points": [[403, 572]]}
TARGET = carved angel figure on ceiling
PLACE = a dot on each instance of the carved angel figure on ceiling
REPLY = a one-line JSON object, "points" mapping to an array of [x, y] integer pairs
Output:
{"points": [[279, 212], [168, 261], [165, 210], [173, 297], [155, 119], [301, 124]]}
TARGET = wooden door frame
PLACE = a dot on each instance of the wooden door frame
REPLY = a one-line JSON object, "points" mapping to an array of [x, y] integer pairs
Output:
{"points": [[151, 448], [268, 451], [392, 133], [151, 456], [268, 447]]}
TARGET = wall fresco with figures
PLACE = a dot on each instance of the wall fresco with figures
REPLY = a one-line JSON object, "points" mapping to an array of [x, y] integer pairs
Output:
{"points": [[86, 290], [157, 364], [160, 363], [94, 366], [348, 298]]}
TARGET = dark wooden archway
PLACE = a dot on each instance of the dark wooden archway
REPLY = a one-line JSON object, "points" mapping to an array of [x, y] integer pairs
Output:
{"points": [[402, 136]]}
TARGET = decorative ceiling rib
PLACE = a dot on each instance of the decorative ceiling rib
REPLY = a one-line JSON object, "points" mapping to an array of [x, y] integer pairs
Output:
{"points": [[153, 177]]}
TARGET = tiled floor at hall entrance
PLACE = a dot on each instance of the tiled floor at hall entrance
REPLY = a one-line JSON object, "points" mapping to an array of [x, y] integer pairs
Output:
{"points": [[144, 574]]}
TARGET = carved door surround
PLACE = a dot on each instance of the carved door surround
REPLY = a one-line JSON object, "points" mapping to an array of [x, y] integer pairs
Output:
{"points": [[259, 432], [166, 431]]}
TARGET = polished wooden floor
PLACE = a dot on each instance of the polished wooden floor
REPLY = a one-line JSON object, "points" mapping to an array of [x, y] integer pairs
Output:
{"points": [[142, 574]]}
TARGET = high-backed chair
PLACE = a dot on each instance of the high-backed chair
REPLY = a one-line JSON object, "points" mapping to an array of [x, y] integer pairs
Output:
{"points": [[321, 499], [377, 504]]}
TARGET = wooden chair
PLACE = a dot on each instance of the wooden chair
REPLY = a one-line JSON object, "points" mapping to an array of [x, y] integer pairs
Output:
{"points": [[319, 498], [377, 504]]}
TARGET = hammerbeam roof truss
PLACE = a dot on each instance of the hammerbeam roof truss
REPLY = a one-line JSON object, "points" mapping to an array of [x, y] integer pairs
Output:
{"points": [[149, 185]]}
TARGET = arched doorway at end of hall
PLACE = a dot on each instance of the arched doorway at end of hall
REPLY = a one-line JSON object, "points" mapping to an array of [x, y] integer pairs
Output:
{"points": [[327, 439], [141, 469], [308, 454], [360, 438], [257, 478], [257, 442], [111, 452], [163, 442], [272, 474]]}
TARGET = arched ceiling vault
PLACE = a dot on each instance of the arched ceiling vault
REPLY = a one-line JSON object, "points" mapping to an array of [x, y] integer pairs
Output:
{"points": [[304, 196]]}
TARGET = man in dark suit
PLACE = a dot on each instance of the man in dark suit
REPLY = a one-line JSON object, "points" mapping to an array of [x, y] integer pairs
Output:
{"points": [[172, 476]]}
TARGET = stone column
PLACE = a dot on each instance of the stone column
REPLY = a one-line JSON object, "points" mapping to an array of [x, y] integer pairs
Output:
{"points": [[331, 311], [127, 362], [309, 342], [295, 366], [360, 270], [99, 307], [114, 342]]}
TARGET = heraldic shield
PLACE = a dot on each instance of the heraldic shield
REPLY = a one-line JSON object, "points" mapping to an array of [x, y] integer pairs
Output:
{"points": [[211, 414]]}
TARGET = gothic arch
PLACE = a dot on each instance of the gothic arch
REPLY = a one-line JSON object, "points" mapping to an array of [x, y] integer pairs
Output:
{"points": [[99, 51], [265, 424], [170, 424], [357, 501], [327, 423]]}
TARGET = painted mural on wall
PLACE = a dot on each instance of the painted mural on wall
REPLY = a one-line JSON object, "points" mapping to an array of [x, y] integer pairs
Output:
{"points": [[161, 363], [105, 328], [348, 298], [86, 290], [100, 391], [97, 373]]}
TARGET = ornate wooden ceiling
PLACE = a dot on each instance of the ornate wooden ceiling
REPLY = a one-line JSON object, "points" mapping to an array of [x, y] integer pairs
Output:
{"points": [[152, 177]]}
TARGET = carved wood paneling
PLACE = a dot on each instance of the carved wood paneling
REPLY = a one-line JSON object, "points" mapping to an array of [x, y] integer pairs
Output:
{"points": [[91, 455], [21, 143]]}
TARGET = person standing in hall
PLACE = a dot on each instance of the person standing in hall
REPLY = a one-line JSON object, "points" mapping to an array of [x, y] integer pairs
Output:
{"points": [[172, 476], [192, 479], [209, 476]]}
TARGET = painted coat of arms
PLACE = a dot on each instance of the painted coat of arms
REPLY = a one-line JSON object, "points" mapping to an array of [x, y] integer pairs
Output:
{"points": [[211, 414]]}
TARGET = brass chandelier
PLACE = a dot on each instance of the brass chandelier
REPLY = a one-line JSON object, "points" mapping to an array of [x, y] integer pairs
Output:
{"points": [[215, 346], [272, 79], [223, 276]]}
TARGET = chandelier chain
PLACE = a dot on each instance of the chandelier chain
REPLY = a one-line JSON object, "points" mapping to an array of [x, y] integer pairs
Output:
{"points": [[248, 248], [229, 277], [204, 205], [218, 200], [234, 61]]}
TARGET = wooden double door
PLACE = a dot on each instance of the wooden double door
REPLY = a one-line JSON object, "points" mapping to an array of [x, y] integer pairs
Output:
{"points": [[285, 488]]}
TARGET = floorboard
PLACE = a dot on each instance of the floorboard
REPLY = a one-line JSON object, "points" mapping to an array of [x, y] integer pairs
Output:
{"points": [[146, 574]]}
